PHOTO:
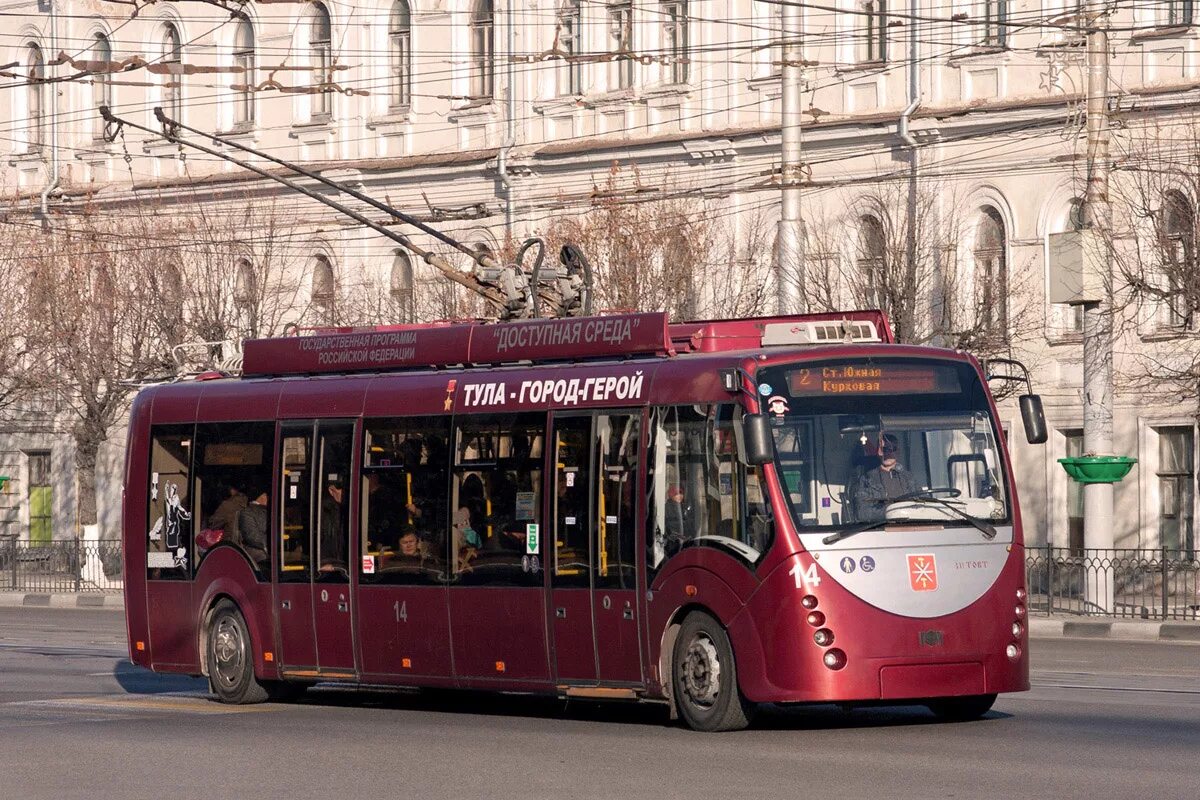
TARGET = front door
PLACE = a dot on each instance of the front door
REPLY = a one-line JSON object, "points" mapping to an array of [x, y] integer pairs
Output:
{"points": [[314, 547], [593, 575]]}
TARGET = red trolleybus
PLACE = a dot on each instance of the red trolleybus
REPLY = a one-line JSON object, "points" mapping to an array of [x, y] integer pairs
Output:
{"points": [[711, 515]]}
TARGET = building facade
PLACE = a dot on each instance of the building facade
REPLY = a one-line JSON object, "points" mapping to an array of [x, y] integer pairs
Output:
{"points": [[498, 123]]}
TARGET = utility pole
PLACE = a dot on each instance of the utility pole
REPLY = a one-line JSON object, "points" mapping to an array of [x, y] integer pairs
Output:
{"points": [[789, 254], [1097, 320]]}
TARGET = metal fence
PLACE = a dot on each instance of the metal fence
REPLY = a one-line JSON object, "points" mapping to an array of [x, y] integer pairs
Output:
{"points": [[64, 566], [1143, 584]]}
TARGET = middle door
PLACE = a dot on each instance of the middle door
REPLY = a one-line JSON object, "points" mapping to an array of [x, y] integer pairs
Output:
{"points": [[571, 564]]}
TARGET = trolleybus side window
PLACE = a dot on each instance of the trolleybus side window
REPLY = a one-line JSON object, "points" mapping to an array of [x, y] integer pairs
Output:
{"points": [[496, 494], [699, 493], [617, 441], [170, 513], [233, 484], [295, 486], [405, 495]]}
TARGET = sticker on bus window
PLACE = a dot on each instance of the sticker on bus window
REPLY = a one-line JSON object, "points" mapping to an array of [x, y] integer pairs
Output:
{"points": [[570, 479], [525, 504], [610, 520], [368, 565], [293, 491], [531, 539]]}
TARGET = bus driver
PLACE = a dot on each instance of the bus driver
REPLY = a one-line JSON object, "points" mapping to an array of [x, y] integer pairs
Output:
{"points": [[883, 484]]}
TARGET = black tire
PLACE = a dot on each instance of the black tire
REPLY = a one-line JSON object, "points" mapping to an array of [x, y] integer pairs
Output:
{"points": [[231, 657], [961, 709], [704, 677]]}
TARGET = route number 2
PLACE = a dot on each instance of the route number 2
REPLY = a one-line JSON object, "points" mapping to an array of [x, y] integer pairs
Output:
{"points": [[401, 611], [805, 577]]}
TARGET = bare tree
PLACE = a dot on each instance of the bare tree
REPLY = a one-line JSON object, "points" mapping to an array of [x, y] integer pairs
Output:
{"points": [[1153, 243], [676, 254], [21, 371], [93, 288], [941, 278]]}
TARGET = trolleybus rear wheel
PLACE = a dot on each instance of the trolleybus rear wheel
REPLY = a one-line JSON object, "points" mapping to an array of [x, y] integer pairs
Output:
{"points": [[960, 709], [705, 679], [230, 658]]}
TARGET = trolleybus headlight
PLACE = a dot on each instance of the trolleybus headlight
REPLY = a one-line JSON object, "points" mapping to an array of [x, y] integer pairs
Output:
{"points": [[1021, 595], [816, 619], [834, 659], [823, 637], [1012, 651], [1020, 611], [1017, 629], [809, 602]]}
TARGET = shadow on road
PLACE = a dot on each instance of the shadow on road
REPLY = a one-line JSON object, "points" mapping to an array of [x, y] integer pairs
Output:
{"points": [[139, 680], [451, 701]]}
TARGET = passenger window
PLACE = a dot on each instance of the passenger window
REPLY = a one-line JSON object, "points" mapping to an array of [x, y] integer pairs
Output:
{"points": [[169, 521], [295, 539], [699, 493], [233, 483], [405, 473], [496, 495], [617, 441]]}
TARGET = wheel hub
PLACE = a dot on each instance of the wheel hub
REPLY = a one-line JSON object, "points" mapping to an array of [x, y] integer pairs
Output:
{"points": [[701, 671], [227, 649]]}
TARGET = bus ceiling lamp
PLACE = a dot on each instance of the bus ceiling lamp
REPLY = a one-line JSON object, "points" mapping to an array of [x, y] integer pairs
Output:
{"points": [[1098, 469]]}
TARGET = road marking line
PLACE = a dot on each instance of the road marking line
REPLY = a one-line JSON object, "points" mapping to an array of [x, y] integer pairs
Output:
{"points": [[190, 704]]}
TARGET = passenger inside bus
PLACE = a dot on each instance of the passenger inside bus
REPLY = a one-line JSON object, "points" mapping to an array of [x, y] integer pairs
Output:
{"points": [[225, 517], [333, 544], [253, 521]]}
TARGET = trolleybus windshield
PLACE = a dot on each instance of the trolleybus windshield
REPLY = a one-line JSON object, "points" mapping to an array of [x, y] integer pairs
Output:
{"points": [[887, 440]]}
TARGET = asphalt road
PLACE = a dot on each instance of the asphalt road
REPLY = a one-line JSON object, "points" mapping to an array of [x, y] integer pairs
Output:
{"points": [[1105, 719]]}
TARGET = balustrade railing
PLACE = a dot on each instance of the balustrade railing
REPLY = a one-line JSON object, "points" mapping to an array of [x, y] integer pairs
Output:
{"points": [[61, 566], [1121, 582]]}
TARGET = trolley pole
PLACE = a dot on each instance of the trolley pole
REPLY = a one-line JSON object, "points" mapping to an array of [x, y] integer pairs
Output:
{"points": [[789, 254], [1097, 322]]}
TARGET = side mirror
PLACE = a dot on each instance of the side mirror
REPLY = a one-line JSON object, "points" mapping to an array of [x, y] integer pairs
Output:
{"points": [[757, 441], [1034, 419]]}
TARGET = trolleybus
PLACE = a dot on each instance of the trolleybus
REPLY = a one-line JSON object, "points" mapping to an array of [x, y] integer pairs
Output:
{"points": [[711, 515]]}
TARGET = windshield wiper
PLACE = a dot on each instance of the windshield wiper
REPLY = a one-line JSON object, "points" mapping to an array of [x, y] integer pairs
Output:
{"points": [[985, 528], [846, 533]]}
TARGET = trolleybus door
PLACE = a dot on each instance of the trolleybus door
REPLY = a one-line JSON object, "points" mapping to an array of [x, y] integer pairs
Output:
{"points": [[592, 573], [314, 590]]}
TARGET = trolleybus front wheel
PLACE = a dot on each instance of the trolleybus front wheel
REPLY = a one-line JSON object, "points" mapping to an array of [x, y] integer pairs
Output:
{"points": [[705, 677], [230, 658], [961, 709]]}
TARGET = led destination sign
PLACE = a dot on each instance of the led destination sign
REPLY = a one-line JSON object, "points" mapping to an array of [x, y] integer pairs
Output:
{"points": [[872, 379]]}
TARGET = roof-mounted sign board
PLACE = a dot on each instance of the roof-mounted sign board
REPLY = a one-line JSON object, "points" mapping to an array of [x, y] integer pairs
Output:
{"points": [[449, 345]]}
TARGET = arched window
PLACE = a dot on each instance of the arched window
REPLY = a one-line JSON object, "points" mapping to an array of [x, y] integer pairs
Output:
{"points": [[36, 94], [245, 285], [570, 42], [1178, 243], [872, 260], [483, 41], [172, 59], [101, 81], [991, 272], [401, 282], [243, 60], [675, 40], [324, 289], [320, 43], [400, 45]]}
